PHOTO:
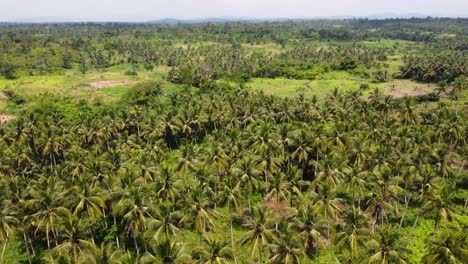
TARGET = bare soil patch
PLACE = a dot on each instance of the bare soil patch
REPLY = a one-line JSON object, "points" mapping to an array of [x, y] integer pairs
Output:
{"points": [[107, 84], [279, 206], [406, 88], [6, 118], [461, 165], [3, 96]]}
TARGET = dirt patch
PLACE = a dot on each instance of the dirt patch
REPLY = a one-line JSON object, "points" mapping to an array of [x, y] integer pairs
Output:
{"points": [[460, 165], [406, 88], [3, 96], [6, 118], [107, 84], [279, 206]]}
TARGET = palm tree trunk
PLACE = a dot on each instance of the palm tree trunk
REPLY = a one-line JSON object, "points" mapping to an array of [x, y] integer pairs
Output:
{"points": [[316, 164], [436, 228], [260, 254], [232, 241], [414, 226], [116, 235], [134, 238], [48, 240], [407, 200], [55, 233], [27, 247], [12, 250], [3, 253]]}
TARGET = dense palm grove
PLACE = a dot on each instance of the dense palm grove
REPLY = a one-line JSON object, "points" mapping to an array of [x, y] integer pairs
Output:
{"points": [[201, 169], [165, 177]]}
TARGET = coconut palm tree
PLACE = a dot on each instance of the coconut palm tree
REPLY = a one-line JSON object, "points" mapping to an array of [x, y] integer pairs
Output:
{"points": [[451, 247], [8, 224], [287, 249], [246, 170], [440, 207], [352, 236], [214, 251], [259, 223], [386, 248], [166, 252]]}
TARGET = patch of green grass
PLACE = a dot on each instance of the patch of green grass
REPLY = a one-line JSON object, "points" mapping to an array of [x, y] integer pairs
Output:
{"points": [[117, 91], [320, 88]]}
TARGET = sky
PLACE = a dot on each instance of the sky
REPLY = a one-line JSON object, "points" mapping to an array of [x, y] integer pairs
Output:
{"points": [[143, 10]]}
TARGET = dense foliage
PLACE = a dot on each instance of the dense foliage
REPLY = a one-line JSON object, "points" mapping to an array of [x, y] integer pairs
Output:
{"points": [[201, 169]]}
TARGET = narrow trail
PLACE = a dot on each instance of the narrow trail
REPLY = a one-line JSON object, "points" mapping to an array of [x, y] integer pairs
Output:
{"points": [[307, 85]]}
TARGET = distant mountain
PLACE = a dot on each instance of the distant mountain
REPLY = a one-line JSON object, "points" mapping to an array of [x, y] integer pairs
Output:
{"points": [[176, 21]]}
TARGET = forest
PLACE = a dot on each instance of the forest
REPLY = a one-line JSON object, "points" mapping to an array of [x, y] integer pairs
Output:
{"points": [[321, 141]]}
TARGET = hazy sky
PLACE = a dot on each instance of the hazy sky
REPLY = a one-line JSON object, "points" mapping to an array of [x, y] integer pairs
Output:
{"points": [[140, 10]]}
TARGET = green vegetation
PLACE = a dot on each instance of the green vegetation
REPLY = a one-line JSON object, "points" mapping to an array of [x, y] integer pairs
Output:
{"points": [[335, 141]]}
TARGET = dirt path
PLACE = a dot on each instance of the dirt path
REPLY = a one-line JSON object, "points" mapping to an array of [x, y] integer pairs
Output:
{"points": [[307, 84], [107, 84]]}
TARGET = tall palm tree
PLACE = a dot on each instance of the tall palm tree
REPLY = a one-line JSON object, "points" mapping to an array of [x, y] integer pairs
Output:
{"points": [[386, 249], [166, 252], [327, 205], [73, 243], [287, 249], [259, 224], [246, 170], [199, 211], [439, 206], [451, 248], [231, 197], [214, 251], [352, 236], [310, 227], [8, 224], [105, 254]]}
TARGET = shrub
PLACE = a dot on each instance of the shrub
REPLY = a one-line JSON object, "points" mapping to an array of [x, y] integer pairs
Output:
{"points": [[364, 86]]}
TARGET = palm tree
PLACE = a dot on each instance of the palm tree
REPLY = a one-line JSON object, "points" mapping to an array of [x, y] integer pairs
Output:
{"points": [[352, 236], [288, 249], [87, 198], [166, 252], [260, 233], [310, 228], [231, 196], [162, 224], [134, 211], [46, 195], [213, 251], [451, 247], [105, 254], [167, 185], [326, 204], [386, 249], [73, 243], [439, 206], [199, 211], [8, 223], [246, 170]]}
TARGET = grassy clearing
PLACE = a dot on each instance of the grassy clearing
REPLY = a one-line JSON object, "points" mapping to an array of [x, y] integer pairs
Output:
{"points": [[320, 88]]}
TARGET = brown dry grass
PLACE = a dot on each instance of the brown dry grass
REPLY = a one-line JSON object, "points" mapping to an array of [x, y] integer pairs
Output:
{"points": [[405, 88], [280, 207]]}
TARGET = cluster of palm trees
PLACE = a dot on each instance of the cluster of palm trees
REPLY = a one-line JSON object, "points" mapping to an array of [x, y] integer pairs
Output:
{"points": [[434, 65], [230, 176]]}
